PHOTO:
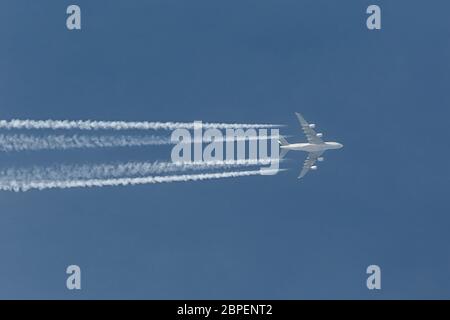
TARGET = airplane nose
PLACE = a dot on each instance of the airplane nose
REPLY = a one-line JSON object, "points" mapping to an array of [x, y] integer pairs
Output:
{"points": [[341, 145]]}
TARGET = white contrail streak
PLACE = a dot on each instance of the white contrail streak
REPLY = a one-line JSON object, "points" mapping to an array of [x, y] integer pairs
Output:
{"points": [[128, 169], [22, 142], [118, 125], [41, 185]]}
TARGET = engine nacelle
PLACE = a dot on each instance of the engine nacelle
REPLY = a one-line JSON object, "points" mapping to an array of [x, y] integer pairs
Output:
{"points": [[319, 135], [312, 125], [314, 168], [320, 159]]}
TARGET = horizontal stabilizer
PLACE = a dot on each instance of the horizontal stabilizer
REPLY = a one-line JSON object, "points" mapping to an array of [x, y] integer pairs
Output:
{"points": [[283, 142]]}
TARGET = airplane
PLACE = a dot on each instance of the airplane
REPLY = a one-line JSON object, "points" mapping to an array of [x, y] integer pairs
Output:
{"points": [[315, 146]]}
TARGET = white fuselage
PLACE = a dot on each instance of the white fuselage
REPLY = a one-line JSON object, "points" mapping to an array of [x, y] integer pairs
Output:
{"points": [[312, 147]]}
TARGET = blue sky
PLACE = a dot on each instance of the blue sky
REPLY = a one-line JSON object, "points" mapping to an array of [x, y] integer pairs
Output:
{"points": [[380, 200]]}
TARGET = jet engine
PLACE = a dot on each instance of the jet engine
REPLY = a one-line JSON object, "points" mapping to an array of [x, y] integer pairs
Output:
{"points": [[314, 168], [320, 159], [312, 125]]}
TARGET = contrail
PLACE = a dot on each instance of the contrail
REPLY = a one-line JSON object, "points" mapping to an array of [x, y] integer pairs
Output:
{"points": [[21, 142], [128, 169], [26, 186], [26, 142], [118, 125]]}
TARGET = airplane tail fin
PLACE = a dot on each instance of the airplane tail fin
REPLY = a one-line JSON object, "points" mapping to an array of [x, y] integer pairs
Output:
{"points": [[283, 142]]}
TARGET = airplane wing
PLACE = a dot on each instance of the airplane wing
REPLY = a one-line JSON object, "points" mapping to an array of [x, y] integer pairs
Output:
{"points": [[309, 162], [310, 134]]}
